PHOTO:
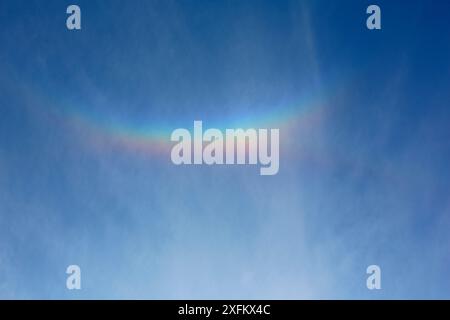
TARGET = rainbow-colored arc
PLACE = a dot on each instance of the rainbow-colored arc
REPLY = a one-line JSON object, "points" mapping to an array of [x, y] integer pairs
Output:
{"points": [[155, 139]]}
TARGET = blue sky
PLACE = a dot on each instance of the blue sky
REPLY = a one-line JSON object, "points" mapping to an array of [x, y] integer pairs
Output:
{"points": [[364, 149]]}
